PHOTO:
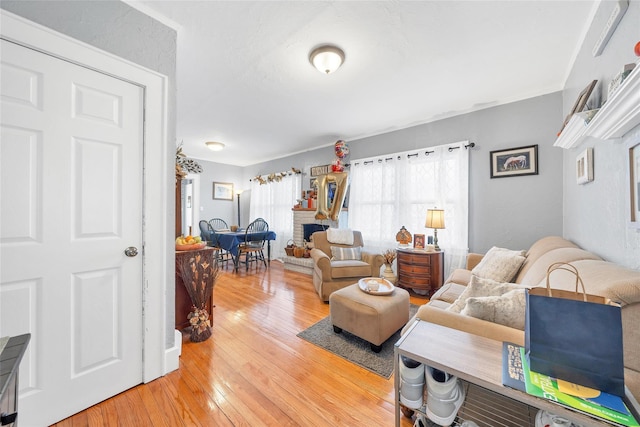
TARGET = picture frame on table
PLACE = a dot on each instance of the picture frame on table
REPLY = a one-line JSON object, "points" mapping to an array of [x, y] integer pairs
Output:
{"points": [[584, 166], [222, 191], [418, 241], [517, 161], [634, 183]]}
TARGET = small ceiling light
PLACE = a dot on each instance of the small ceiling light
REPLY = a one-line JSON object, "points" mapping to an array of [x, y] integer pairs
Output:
{"points": [[327, 59], [214, 146]]}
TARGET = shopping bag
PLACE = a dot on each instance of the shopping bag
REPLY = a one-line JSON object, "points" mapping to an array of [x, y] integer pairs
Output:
{"points": [[574, 336]]}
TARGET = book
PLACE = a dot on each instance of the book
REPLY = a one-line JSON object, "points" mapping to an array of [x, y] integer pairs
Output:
{"points": [[517, 375]]}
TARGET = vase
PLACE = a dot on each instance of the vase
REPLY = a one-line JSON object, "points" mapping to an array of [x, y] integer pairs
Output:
{"points": [[389, 274]]}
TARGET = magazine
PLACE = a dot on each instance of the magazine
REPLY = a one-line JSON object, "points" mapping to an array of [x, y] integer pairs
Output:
{"points": [[516, 374]]}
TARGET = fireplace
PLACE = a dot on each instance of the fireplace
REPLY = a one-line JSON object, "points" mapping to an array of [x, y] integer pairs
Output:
{"points": [[309, 229]]}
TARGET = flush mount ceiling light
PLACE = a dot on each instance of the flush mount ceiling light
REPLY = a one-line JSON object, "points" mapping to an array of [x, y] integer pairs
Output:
{"points": [[214, 146], [327, 59]]}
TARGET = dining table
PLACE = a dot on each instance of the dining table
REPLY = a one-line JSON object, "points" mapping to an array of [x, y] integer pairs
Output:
{"points": [[231, 240]]}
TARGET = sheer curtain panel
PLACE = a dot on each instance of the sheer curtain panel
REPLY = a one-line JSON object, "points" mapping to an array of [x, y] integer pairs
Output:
{"points": [[396, 190], [273, 202]]}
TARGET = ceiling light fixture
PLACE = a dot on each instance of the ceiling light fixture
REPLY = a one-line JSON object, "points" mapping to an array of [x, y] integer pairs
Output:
{"points": [[214, 146], [327, 59]]}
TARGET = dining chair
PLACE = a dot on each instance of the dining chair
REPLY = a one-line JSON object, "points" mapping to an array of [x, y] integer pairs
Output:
{"points": [[253, 246], [208, 234], [218, 224]]}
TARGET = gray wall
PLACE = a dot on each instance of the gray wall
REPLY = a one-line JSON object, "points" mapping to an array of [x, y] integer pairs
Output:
{"points": [[117, 28], [225, 209], [510, 212], [596, 214]]}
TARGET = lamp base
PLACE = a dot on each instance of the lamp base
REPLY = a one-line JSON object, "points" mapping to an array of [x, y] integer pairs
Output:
{"points": [[435, 239]]}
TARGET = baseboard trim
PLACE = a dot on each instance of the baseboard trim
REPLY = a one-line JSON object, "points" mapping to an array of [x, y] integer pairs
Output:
{"points": [[172, 354]]}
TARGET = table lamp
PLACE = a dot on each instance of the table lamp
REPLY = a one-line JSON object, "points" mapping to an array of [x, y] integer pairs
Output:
{"points": [[435, 220]]}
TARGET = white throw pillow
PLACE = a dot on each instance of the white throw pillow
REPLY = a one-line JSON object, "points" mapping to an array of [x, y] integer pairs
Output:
{"points": [[507, 309], [343, 254], [479, 287], [499, 264]]}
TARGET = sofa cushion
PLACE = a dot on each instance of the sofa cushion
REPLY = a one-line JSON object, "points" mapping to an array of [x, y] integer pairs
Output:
{"points": [[499, 264], [507, 309], [459, 275], [350, 268], [449, 292], [479, 287], [342, 254]]}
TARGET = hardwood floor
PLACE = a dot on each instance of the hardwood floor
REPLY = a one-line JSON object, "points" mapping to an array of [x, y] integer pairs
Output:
{"points": [[254, 370]]}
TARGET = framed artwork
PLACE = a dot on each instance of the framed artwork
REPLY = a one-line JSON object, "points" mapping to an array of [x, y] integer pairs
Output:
{"points": [[584, 166], [634, 183], [418, 241], [514, 162], [222, 191], [578, 106]]}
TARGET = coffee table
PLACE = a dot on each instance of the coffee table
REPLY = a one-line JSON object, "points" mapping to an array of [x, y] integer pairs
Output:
{"points": [[478, 362]]}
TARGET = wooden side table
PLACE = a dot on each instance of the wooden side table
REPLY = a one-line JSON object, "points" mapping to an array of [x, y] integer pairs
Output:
{"points": [[420, 270]]}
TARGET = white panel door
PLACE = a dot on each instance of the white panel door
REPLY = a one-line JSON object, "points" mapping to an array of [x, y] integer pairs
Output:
{"points": [[71, 202]]}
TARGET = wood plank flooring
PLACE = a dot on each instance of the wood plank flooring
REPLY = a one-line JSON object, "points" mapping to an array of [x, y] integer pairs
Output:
{"points": [[254, 370]]}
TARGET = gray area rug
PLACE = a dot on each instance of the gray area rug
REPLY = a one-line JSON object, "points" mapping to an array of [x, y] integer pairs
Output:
{"points": [[352, 348]]}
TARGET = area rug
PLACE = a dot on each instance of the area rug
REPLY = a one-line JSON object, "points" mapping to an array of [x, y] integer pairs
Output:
{"points": [[352, 348]]}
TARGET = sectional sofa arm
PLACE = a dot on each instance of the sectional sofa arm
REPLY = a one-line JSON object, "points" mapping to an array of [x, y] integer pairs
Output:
{"points": [[468, 324], [473, 259]]}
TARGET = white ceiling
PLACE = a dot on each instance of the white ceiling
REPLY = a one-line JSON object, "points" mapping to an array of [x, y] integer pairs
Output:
{"points": [[244, 76]]}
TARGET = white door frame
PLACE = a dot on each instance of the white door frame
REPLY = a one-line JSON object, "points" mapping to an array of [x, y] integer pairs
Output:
{"points": [[157, 180]]}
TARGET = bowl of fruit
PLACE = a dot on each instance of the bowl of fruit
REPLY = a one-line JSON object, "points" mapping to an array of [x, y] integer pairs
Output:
{"points": [[189, 243]]}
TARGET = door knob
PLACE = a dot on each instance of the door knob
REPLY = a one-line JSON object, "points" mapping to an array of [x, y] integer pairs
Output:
{"points": [[131, 251]]}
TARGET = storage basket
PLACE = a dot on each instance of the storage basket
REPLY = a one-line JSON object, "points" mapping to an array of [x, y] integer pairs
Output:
{"points": [[289, 248]]}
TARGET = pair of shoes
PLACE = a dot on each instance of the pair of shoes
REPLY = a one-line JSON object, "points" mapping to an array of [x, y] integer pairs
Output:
{"points": [[445, 395], [411, 382], [421, 421], [545, 418]]}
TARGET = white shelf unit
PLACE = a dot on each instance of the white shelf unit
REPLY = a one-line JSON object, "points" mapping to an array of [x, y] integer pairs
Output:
{"points": [[618, 115]]}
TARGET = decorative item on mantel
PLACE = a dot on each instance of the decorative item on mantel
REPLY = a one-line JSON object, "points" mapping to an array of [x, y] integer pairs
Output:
{"points": [[403, 237], [199, 273], [389, 256]]}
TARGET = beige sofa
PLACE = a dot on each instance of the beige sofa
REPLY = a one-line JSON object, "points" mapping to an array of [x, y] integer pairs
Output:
{"points": [[600, 278], [330, 275]]}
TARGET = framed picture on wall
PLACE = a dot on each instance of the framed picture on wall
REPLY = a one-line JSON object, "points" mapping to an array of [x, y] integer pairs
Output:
{"points": [[222, 191], [634, 183], [584, 166], [514, 162]]}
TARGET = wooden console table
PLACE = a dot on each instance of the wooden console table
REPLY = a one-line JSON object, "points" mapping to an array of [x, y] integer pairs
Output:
{"points": [[421, 270], [478, 362]]}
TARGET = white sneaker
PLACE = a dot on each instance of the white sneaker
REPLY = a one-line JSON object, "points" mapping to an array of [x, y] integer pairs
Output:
{"points": [[411, 383], [544, 418], [445, 395]]}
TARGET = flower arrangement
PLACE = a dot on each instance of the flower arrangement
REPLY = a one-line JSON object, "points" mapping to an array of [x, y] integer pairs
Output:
{"points": [[389, 256]]}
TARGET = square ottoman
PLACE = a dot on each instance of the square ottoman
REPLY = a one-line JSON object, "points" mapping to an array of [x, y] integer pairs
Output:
{"points": [[374, 318]]}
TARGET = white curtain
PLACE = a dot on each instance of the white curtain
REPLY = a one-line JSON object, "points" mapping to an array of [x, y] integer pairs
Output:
{"points": [[396, 190], [273, 202]]}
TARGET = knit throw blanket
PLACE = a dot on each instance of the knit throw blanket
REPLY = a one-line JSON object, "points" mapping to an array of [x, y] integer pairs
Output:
{"points": [[340, 236]]}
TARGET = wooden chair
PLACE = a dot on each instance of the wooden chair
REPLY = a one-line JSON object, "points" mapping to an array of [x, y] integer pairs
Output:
{"points": [[218, 224], [210, 236], [253, 250]]}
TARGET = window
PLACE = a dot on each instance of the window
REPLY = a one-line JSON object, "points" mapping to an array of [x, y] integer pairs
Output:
{"points": [[396, 190]]}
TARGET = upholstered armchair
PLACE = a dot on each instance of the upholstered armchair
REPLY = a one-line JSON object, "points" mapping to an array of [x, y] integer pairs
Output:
{"points": [[345, 266]]}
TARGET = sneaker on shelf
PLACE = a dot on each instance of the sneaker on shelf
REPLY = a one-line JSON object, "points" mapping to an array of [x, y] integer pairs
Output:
{"points": [[445, 395], [547, 419], [421, 421], [411, 382]]}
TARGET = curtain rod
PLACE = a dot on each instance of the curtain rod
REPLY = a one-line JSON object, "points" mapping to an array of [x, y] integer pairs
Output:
{"points": [[409, 155]]}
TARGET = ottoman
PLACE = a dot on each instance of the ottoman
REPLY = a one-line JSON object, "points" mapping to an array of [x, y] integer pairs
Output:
{"points": [[374, 318]]}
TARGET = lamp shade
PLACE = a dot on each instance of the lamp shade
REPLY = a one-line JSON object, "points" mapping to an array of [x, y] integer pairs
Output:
{"points": [[435, 218], [327, 59]]}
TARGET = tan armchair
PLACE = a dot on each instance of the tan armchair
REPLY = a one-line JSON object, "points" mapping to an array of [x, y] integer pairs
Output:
{"points": [[330, 275]]}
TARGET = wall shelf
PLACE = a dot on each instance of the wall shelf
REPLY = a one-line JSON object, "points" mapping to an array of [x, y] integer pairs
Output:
{"points": [[614, 119]]}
